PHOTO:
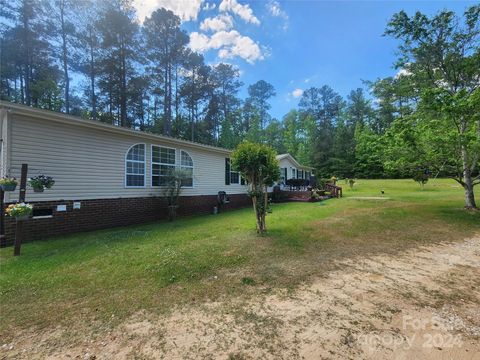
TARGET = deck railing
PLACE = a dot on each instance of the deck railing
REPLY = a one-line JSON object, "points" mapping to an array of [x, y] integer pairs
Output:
{"points": [[335, 190]]}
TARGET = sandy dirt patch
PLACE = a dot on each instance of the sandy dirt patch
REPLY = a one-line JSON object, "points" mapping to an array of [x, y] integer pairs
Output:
{"points": [[422, 304]]}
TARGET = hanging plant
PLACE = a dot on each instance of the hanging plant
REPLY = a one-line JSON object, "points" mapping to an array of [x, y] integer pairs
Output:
{"points": [[41, 182], [19, 211], [8, 183]]}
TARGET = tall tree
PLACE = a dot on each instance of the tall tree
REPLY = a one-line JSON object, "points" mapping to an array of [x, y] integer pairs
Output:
{"points": [[441, 55], [274, 136], [324, 105], [258, 95], [224, 79], [88, 57], [61, 14], [120, 45], [25, 50], [195, 88], [166, 45]]}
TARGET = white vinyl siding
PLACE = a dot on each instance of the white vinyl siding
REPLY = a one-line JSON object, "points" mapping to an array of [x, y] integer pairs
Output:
{"points": [[292, 170], [89, 163]]}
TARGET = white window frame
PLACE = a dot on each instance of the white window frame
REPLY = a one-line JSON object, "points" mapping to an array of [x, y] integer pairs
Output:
{"points": [[189, 167], [137, 161], [159, 163], [177, 165]]}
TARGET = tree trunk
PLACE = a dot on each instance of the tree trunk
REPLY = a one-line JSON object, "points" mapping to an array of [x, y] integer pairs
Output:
{"points": [[65, 57], [167, 109], [92, 78], [92, 85], [28, 64], [467, 181], [123, 87]]}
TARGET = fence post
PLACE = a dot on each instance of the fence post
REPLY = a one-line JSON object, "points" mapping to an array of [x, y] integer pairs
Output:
{"points": [[19, 224], [2, 217]]}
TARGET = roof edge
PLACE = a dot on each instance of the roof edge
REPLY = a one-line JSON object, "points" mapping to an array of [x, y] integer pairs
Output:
{"points": [[288, 155], [77, 121]]}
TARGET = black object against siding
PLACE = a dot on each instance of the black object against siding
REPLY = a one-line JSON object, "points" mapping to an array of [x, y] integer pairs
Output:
{"points": [[285, 174], [242, 181], [227, 171]]}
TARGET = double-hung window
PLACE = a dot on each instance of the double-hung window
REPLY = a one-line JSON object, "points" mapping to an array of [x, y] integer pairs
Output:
{"points": [[163, 165], [135, 166], [186, 165], [234, 177]]}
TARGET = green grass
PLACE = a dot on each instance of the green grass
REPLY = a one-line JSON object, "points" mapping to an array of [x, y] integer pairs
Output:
{"points": [[92, 276]]}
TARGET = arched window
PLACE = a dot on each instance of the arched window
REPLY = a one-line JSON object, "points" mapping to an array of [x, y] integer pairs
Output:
{"points": [[135, 166], [186, 164]]}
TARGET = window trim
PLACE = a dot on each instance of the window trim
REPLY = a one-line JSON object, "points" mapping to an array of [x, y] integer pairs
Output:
{"points": [[184, 166], [155, 163], [239, 178], [144, 167], [177, 165]]}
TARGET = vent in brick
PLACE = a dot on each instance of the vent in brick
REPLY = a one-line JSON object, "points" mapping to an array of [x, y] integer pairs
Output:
{"points": [[41, 213]]}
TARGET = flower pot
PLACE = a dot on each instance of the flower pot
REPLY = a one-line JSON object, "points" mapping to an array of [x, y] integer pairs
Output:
{"points": [[22, 217], [38, 190], [8, 187]]}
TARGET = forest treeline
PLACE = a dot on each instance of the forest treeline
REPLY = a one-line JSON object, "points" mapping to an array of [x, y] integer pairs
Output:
{"points": [[94, 59]]}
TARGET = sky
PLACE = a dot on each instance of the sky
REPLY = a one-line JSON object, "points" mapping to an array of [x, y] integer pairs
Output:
{"points": [[296, 44]]}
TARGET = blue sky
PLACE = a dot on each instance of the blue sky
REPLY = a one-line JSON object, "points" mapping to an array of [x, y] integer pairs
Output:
{"points": [[297, 44]]}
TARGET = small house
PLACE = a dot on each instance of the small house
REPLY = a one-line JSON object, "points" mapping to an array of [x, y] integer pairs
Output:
{"points": [[105, 175]]}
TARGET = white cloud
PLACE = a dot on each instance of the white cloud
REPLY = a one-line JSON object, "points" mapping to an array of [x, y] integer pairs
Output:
{"points": [[209, 6], [297, 93], [218, 23], [403, 71], [229, 44], [244, 11], [186, 10], [274, 9]]}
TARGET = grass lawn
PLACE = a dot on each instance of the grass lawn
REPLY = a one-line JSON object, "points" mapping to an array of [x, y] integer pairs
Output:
{"points": [[104, 276]]}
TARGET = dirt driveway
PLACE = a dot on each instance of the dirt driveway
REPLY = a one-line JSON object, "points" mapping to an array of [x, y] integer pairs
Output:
{"points": [[424, 304]]}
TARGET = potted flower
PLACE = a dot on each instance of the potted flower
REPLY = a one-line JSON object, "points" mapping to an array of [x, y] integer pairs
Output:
{"points": [[8, 183], [19, 211], [41, 182]]}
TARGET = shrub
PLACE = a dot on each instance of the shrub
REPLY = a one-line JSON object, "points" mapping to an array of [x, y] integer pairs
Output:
{"points": [[172, 190], [41, 182], [351, 182]]}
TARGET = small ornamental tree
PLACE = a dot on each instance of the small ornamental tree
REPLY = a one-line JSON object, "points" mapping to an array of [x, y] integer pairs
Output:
{"points": [[421, 176], [258, 165], [173, 187]]}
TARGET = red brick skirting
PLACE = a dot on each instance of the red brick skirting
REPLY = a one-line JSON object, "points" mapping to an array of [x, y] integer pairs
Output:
{"points": [[107, 213]]}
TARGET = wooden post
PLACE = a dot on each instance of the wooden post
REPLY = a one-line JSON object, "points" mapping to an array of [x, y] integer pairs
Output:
{"points": [[2, 217], [18, 238], [23, 183], [19, 224]]}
